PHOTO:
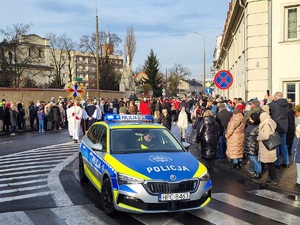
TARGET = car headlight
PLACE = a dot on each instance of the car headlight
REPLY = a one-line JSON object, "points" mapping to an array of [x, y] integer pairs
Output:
{"points": [[204, 177], [125, 179]]}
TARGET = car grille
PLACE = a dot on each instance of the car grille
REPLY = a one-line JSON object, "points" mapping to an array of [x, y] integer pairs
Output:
{"points": [[164, 187], [170, 206]]}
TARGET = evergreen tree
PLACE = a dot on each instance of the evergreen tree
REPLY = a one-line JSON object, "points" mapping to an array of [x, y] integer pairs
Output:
{"points": [[154, 79]]}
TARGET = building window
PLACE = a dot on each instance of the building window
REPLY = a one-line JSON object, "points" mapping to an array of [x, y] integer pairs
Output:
{"points": [[292, 91], [292, 22]]}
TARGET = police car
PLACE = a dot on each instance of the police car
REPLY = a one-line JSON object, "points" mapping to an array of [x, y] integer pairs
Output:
{"points": [[141, 167]]}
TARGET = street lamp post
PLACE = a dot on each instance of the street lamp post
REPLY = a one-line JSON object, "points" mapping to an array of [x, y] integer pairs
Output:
{"points": [[204, 61]]}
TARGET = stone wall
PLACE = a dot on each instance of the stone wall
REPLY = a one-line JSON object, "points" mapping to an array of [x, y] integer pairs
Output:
{"points": [[25, 95]]}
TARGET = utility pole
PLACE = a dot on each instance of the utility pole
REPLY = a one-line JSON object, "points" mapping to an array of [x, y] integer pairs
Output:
{"points": [[97, 57], [204, 61]]}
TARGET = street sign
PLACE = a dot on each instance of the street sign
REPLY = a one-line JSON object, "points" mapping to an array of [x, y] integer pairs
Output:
{"points": [[223, 79], [208, 84], [208, 90]]}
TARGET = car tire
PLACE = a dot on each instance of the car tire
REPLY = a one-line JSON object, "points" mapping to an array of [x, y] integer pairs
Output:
{"points": [[82, 177], [107, 198]]}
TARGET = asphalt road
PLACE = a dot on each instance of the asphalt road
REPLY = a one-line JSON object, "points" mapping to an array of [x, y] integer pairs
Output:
{"points": [[39, 185]]}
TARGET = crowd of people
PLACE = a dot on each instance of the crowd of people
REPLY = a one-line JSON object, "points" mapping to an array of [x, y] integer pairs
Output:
{"points": [[232, 129]]}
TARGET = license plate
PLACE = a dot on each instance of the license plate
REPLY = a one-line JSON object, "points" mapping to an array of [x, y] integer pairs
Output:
{"points": [[174, 196]]}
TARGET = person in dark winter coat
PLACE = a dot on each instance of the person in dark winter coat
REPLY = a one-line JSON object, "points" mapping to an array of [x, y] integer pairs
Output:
{"points": [[6, 117], [279, 113], [32, 114], [251, 144], [91, 114], [222, 119], [157, 108], [199, 117], [167, 105], [21, 117], [133, 97], [165, 119], [56, 116], [291, 128], [207, 137], [1, 117], [296, 154]]}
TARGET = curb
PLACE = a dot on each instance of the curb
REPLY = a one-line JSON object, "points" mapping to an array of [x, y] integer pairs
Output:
{"points": [[287, 177]]}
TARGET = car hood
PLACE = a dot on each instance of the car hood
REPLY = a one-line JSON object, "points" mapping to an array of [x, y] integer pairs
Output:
{"points": [[167, 166]]}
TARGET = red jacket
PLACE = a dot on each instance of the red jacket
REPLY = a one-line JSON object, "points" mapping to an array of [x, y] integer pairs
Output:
{"points": [[144, 108]]}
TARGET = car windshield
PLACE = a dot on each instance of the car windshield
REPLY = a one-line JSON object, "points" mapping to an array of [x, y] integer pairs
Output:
{"points": [[139, 140]]}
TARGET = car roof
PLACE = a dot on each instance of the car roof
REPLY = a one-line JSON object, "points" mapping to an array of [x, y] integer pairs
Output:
{"points": [[137, 124]]}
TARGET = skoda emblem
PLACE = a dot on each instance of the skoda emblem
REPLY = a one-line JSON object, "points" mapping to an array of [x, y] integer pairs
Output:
{"points": [[173, 177]]}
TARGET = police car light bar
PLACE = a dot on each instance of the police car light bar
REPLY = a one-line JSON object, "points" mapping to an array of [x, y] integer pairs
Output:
{"points": [[127, 117]]}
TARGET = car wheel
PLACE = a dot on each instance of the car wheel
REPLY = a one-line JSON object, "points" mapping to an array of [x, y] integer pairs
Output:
{"points": [[107, 198], [82, 177]]}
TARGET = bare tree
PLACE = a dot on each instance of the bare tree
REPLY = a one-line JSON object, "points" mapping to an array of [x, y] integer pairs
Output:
{"points": [[60, 51], [21, 58], [129, 45], [176, 74], [108, 75], [70, 46]]}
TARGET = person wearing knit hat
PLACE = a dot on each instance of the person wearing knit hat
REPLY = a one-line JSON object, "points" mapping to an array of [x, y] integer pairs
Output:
{"points": [[267, 127], [122, 110], [254, 107], [254, 118], [265, 108], [254, 101], [241, 106], [251, 146]]}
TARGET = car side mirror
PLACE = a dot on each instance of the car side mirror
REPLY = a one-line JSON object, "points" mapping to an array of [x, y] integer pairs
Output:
{"points": [[186, 145], [97, 147]]}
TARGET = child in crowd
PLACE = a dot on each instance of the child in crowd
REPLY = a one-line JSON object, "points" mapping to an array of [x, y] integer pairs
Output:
{"points": [[41, 117], [251, 144]]}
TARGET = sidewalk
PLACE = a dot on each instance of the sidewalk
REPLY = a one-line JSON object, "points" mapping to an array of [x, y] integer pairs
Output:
{"points": [[286, 176]]}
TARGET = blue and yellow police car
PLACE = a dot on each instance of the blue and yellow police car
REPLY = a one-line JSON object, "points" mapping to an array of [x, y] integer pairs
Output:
{"points": [[139, 166]]}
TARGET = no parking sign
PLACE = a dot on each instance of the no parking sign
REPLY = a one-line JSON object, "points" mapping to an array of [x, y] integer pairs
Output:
{"points": [[223, 79]]}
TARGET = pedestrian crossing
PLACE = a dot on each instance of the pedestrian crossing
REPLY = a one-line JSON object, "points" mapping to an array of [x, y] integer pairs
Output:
{"points": [[35, 173], [29, 174], [251, 213]]}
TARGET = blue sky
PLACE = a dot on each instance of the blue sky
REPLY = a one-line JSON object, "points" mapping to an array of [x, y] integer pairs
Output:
{"points": [[166, 26]]}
